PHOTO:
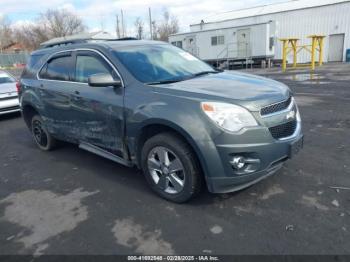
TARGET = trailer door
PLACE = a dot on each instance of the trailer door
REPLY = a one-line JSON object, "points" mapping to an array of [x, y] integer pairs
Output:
{"points": [[243, 43], [191, 45]]}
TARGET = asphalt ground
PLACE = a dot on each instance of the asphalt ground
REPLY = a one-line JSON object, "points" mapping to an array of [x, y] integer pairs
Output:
{"points": [[69, 201]]}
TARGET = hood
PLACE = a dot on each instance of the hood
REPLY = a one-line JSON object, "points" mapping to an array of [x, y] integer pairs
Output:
{"points": [[8, 88], [250, 91]]}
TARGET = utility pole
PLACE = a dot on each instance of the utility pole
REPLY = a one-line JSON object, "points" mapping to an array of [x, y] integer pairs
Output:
{"points": [[123, 28], [117, 29], [150, 22]]}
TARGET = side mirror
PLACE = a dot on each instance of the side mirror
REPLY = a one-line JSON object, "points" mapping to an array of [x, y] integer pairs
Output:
{"points": [[102, 80]]}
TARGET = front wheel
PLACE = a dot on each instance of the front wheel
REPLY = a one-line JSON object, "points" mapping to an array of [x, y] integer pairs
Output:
{"points": [[171, 168], [41, 136]]}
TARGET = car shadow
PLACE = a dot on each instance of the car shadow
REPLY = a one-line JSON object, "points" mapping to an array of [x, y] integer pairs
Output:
{"points": [[10, 116], [106, 169]]}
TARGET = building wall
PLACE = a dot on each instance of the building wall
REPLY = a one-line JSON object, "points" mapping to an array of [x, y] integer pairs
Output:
{"points": [[325, 20]]}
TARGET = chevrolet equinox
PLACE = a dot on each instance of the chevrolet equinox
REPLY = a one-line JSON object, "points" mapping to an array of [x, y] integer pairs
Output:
{"points": [[152, 105]]}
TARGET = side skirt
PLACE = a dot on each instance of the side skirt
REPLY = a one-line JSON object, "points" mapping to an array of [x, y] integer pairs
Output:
{"points": [[98, 151]]}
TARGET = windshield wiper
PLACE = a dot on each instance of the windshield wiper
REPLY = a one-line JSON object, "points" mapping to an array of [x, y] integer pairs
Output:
{"points": [[205, 73], [182, 79], [165, 82]]}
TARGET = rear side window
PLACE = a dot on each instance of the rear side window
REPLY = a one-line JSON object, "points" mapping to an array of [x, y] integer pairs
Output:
{"points": [[57, 69], [33, 60], [29, 71], [89, 65]]}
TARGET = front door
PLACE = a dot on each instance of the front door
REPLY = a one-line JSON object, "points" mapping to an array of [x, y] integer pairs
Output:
{"points": [[336, 48], [243, 43], [99, 110]]}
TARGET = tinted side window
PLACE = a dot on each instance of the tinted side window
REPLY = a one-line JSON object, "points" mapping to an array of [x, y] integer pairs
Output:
{"points": [[89, 65], [57, 69], [29, 70]]}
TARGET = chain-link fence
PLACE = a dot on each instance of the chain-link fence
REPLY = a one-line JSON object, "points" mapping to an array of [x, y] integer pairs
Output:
{"points": [[13, 59]]}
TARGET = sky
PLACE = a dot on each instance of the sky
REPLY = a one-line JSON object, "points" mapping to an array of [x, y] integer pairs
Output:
{"points": [[101, 14]]}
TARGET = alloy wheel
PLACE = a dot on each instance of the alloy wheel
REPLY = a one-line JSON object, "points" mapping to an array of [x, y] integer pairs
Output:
{"points": [[166, 170], [39, 133]]}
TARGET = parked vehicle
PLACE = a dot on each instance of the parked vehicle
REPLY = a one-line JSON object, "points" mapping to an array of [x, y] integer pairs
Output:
{"points": [[153, 105], [8, 94]]}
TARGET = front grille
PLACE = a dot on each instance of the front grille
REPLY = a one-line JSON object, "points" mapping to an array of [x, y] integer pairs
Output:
{"points": [[284, 130], [276, 107], [9, 108]]}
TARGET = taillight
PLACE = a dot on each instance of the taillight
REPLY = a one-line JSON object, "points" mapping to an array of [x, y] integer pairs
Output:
{"points": [[18, 86]]}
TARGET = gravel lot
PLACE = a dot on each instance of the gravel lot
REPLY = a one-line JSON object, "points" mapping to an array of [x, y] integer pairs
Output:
{"points": [[72, 202]]}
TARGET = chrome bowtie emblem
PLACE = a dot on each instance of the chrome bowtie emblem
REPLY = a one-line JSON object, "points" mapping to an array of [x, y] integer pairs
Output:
{"points": [[290, 115]]}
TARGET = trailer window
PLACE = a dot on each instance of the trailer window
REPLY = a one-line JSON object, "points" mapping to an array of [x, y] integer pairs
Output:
{"points": [[218, 40], [177, 44]]}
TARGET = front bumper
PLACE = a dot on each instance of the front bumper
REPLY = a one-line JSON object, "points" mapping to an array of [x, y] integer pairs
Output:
{"points": [[268, 154], [232, 184], [9, 105]]}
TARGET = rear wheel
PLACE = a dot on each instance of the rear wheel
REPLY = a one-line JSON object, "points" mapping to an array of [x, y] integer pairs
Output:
{"points": [[41, 136], [171, 168]]}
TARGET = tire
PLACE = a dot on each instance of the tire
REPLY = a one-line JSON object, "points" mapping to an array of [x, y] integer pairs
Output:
{"points": [[41, 136], [186, 180]]}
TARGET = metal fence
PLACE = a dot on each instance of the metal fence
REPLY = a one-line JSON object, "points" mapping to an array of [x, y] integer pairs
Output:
{"points": [[12, 59]]}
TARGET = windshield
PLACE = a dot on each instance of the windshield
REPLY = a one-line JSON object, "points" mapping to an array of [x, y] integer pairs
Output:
{"points": [[161, 63], [4, 78]]}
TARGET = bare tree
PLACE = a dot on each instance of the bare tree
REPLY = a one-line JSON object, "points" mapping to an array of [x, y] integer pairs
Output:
{"points": [[51, 24], [154, 30], [5, 32], [169, 25], [31, 35], [117, 28], [60, 23], [139, 26]]}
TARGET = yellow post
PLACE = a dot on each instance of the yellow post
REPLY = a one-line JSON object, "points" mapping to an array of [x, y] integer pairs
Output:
{"points": [[294, 47], [284, 55], [321, 41], [317, 45], [291, 44], [313, 50]]}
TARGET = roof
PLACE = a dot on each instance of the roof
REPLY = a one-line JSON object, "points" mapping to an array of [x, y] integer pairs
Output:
{"points": [[113, 44], [83, 36], [116, 44], [269, 9]]}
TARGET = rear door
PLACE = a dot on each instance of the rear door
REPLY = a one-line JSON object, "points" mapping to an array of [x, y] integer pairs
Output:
{"points": [[55, 91], [100, 109]]}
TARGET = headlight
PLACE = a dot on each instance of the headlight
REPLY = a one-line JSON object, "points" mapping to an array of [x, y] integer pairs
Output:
{"points": [[228, 116]]}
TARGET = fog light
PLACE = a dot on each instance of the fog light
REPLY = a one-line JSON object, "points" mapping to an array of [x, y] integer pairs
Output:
{"points": [[238, 162]]}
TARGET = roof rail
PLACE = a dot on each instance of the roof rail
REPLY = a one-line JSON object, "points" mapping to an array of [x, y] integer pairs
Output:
{"points": [[81, 38]]}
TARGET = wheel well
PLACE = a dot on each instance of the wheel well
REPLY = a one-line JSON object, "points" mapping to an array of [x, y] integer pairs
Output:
{"points": [[28, 112], [155, 129]]}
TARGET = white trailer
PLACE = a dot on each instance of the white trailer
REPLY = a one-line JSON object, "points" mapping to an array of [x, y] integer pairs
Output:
{"points": [[253, 33]]}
